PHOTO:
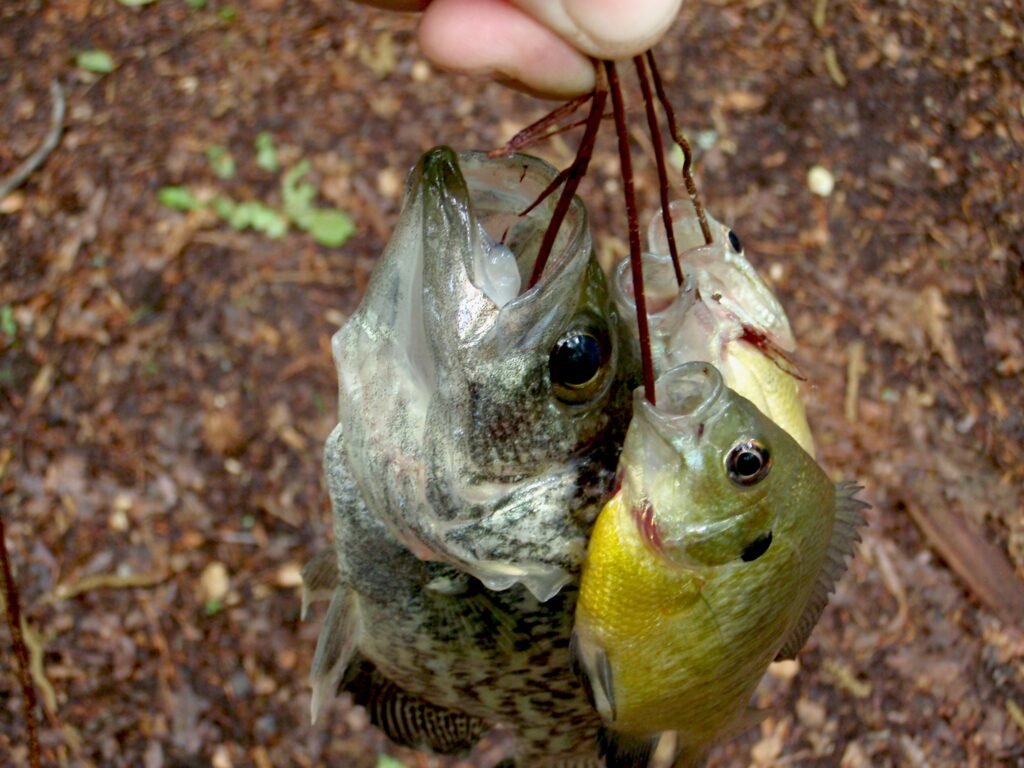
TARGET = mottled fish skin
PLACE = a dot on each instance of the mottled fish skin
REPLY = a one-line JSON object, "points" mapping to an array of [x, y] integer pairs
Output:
{"points": [[501, 657], [716, 556], [723, 314], [453, 430], [463, 480]]}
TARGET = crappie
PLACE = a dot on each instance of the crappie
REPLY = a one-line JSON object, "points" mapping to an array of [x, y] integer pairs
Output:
{"points": [[479, 420], [479, 432], [723, 314], [716, 556]]}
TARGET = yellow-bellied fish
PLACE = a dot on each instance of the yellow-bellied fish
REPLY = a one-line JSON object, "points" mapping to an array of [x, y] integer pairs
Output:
{"points": [[723, 314], [716, 556]]}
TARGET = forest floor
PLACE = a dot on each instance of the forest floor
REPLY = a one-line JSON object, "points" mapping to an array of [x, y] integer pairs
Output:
{"points": [[166, 383]]}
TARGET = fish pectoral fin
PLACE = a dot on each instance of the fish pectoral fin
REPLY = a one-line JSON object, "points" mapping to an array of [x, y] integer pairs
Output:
{"points": [[621, 750], [407, 719], [849, 516], [591, 665], [319, 579], [334, 648]]}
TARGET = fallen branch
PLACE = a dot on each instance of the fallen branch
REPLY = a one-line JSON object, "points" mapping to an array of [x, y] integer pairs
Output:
{"points": [[50, 142], [13, 610]]}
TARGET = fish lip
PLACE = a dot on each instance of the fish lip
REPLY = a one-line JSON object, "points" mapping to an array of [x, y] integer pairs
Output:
{"points": [[688, 397]]}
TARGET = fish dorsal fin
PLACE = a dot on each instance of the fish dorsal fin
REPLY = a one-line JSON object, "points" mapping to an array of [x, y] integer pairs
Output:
{"points": [[407, 719], [622, 750], [849, 517], [334, 648], [319, 579]]}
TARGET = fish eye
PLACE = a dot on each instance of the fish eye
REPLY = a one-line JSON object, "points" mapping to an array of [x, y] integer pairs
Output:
{"points": [[734, 241], [748, 462], [757, 547], [577, 364]]}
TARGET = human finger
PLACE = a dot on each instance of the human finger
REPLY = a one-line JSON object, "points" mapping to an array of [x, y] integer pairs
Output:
{"points": [[495, 38], [606, 29]]}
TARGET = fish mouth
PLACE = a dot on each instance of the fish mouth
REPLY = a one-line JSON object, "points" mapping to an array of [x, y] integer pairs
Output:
{"points": [[687, 396], [480, 244], [685, 226]]}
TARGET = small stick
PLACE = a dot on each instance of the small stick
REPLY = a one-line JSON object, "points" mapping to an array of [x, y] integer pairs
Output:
{"points": [[572, 176], [49, 143], [531, 134], [677, 136], [635, 258], [659, 161], [538, 139], [21, 652]]}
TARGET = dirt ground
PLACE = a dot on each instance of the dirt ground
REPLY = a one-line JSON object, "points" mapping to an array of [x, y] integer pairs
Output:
{"points": [[166, 384]]}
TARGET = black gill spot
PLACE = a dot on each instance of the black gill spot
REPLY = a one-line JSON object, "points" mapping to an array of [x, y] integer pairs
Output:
{"points": [[757, 547]]}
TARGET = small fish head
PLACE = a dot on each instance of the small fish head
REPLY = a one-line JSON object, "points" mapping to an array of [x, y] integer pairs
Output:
{"points": [[721, 299], [722, 480]]}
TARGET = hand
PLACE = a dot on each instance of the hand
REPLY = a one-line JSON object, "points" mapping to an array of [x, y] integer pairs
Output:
{"points": [[541, 46]]}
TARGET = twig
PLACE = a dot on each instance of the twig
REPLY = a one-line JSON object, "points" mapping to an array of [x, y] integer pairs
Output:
{"points": [[105, 581], [677, 136], [635, 257], [572, 176], [50, 142], [659, 162], [532, 133], [28, 692]]}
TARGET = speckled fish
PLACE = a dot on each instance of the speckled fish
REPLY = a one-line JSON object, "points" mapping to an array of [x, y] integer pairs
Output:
{"points": [[478, 436], [716, 556], [723, 314], [474, 413]]}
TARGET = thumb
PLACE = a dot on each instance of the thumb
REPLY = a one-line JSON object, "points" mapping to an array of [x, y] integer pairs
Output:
{"points": [[606, 29]]}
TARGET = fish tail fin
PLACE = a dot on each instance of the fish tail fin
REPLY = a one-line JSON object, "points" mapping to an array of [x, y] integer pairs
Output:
{"points": [[849, 517], [407, 719], [621, 750]]}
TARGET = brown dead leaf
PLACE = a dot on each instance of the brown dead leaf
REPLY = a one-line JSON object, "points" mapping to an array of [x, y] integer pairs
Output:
{"points": [[935, 314], [743, 101], [223, 432], [984, 567]]}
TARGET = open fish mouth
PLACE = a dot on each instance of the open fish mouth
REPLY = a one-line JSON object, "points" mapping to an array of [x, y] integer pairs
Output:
{"points": [[688, 397]]}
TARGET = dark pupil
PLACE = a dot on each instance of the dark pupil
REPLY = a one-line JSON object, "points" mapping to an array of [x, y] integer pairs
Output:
{"points": [[734, 241], [757, 547], [748, 464], [576, 360]]}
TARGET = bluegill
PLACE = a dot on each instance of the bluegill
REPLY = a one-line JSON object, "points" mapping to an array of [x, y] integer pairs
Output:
{"points": [[723, 314], [716, 556], [479, 432]]}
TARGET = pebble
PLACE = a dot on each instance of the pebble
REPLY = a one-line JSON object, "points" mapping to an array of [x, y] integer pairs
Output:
{"points": [[214, 582], [820, 181]]}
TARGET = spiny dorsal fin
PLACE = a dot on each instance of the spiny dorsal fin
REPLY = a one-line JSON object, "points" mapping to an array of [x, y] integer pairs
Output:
{"points": [[319, 578], [407, 719], [334, 648], [849, 517], [621, 750]]}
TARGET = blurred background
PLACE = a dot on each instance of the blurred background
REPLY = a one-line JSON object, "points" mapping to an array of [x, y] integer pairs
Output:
{"points": [[228, 173]]}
